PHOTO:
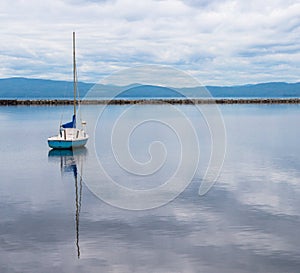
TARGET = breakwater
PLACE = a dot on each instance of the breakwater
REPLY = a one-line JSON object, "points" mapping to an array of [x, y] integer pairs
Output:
{"points": [[8, 102]]}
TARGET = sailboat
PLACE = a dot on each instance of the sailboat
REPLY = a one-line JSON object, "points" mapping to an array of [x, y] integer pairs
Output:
{"points": [[69, 135]]}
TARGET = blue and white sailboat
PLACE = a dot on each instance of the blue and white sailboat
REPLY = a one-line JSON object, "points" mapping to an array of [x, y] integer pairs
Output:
{"points": [[69, 135]]}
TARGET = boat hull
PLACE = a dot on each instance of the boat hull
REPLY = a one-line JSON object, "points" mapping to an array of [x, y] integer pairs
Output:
{"points": [[66, 144]]}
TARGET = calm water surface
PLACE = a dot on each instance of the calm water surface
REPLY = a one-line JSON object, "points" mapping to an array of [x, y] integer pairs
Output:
{"points": [[248, 222]]}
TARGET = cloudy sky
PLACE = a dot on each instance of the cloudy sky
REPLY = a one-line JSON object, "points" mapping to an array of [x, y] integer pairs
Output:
{"points": [[222, 42]]}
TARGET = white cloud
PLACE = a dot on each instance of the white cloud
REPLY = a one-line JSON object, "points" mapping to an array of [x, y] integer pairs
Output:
{"points": [[220, 42]]}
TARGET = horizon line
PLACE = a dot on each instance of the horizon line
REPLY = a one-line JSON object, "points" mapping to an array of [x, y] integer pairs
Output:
{"points": [[69, 81]]}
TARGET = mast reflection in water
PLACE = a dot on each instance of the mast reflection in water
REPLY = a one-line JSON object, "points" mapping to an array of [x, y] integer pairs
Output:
{"points": [[70, 162]]}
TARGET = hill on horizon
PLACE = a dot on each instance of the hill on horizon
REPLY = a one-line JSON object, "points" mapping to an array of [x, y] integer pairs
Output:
{"points": [[25, 88]]}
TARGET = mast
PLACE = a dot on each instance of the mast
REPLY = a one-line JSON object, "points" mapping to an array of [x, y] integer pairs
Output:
{"points": [[74, 74]]}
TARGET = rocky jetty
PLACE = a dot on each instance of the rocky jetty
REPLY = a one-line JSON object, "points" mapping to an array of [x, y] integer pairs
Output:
{"points": [[7, 102]]}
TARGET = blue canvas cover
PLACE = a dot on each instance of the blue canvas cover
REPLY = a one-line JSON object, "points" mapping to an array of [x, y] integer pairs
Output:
{"points": [[71, 124]]}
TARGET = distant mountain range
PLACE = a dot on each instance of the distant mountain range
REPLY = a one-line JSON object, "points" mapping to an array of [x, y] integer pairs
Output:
{"points": [[23, 88]]}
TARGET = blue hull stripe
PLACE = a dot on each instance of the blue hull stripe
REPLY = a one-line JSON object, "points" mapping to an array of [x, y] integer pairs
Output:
{"points": [[63, 144]]}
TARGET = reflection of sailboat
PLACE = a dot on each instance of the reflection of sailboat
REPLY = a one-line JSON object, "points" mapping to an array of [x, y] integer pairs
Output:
{"points": [[69, 162], [69, 135]]}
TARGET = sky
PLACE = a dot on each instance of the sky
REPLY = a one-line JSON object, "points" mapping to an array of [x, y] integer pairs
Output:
{"points": [[219, 42]]}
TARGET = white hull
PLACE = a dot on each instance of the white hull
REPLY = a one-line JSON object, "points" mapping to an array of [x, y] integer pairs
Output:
{"points": [[68, 138]]}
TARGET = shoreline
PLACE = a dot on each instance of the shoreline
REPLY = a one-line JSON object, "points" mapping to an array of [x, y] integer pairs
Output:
{"points": [[15, 102]]}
